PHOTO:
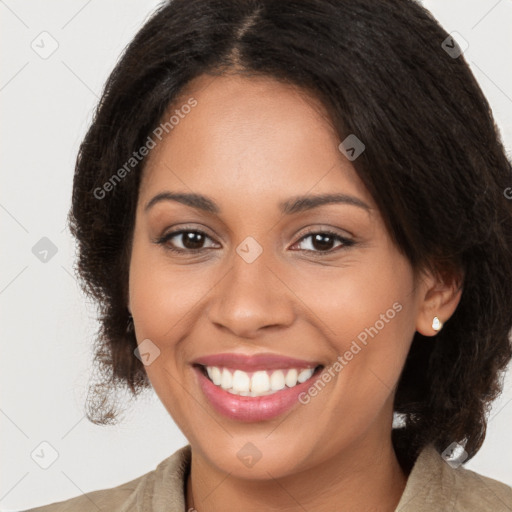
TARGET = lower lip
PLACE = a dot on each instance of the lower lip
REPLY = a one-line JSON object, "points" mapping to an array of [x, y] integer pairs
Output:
{"points": [[248, 408]]}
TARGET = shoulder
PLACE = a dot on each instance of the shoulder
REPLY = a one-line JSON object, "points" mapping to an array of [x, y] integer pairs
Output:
{"points": [[165, 483], [435, 485], [477, 492], [114, 499]]}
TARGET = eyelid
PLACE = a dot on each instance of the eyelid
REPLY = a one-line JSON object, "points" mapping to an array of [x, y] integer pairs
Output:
{"points": [[174, 230], [342, 233]]}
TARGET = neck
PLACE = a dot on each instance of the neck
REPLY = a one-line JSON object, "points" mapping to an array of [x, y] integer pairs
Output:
{"points": [[367, 477]]}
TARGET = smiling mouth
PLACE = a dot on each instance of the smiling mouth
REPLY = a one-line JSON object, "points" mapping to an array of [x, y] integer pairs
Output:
{"points": [[257, 383]]}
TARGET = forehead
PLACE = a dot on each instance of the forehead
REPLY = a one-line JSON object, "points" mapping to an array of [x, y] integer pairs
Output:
{"points": [[251, 139]]}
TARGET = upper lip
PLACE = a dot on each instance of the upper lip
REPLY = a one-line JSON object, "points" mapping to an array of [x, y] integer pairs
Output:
{"points": [[254, 362]]}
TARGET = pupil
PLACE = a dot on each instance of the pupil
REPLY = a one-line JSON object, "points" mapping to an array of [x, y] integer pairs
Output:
{"points": [[189, 240], [319, 241]]}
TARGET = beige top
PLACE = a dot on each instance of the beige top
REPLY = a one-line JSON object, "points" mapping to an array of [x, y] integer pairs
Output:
{"points": [[432, 486]]}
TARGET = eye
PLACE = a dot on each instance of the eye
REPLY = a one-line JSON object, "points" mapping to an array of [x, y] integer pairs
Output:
{"points": [[191, 240], [321, 241]]}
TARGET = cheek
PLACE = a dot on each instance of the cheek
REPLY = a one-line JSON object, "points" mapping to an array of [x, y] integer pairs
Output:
{"points": [[360, 299], [161, 294], [162, 302], [368, 317]]}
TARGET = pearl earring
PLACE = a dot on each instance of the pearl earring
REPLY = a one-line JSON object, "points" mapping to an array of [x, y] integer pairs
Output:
{"points": [[437, 325]]}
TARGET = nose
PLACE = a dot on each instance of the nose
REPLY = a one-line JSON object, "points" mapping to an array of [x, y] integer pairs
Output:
{"points": [[251, 297]]}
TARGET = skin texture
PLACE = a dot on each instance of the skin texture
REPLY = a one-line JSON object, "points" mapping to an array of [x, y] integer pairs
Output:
{"points": [[249, 144]]}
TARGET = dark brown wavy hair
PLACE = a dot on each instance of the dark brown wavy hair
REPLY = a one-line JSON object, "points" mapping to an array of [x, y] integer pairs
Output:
{"points": [[434, 164]]}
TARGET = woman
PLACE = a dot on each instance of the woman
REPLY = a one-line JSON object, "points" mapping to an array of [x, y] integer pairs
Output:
{"points": [[293, 215]]}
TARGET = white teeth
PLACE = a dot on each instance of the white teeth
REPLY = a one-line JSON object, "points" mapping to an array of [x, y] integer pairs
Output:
{"points": [[304, 375], [216, 376], [227, 379], [241, 382], [260, 383], [277, 380], [291, 378]]}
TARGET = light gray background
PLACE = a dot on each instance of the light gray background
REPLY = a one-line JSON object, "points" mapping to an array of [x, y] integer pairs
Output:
{"points": [[46, 325]]}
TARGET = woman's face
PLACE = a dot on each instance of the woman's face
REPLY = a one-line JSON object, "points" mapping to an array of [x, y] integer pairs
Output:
{"points": [[320, 284]]}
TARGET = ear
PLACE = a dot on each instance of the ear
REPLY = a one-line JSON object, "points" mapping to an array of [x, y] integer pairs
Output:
{"points": [[440, 295]]}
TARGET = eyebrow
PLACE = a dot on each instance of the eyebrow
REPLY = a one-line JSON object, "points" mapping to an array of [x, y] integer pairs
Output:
{"points": [[291, 206]]}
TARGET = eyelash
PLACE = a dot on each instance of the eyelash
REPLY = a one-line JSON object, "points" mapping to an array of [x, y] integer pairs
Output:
{"points": [[346, 243]]}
